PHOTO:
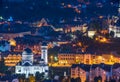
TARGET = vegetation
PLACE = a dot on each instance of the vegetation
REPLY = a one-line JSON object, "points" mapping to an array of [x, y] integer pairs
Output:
{"points": [[3, 68]]}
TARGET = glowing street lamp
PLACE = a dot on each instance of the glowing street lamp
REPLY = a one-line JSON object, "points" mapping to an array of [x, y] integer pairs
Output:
{"points": [[51, 58]]}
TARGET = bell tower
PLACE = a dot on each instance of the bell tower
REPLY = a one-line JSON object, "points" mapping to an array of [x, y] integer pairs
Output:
{"points": [[44, 52]]}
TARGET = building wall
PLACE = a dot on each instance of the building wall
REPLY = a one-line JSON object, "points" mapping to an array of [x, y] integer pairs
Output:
{"points": [[78, 72], [115, 29], [96, 73], [71, 58], [12, 60], [30, 69], [13, 35], [35, 48], [116, 73], [81, 28]]}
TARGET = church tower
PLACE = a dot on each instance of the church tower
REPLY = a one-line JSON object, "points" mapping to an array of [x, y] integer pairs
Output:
{"points": [[44, 52]]}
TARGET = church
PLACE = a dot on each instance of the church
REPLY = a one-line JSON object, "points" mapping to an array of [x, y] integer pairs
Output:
{"points": [[27, 66]]}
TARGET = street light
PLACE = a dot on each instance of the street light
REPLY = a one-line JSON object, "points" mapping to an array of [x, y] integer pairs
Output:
{"points": [[51, 59]]}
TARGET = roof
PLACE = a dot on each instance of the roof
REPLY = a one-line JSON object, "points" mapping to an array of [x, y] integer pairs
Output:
{"points": [[5, 54], [116, 65], [3, 42], [82, 66], [94, 66], [44, 43], [28, 50], [105, 67], [26, 64], [102, 66], [13, 28], [46, 29]]}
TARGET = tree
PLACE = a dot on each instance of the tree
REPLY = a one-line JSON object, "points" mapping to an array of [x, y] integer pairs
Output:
{"points": [[95, 25], [21, 77], [78, 79], [78, 33], [39, 76], [98, 79], [3, 68], [72, 80], [112, 34]]}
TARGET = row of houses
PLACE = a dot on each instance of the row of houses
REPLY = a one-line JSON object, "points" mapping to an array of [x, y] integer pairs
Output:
{"points": [[73, 26], [88, 73], [87, 58]]}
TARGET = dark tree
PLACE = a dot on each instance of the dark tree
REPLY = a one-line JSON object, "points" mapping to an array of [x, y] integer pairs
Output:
{"points": [[78, 79], [3, 68], [112, 34], [99, 78], [39, 76]]}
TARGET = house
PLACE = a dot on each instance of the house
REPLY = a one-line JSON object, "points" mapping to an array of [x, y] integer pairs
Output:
{"points": [[116, 71], [100, 72], [115, 28], [80, 70]]}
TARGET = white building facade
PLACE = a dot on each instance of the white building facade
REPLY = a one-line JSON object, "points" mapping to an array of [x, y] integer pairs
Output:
{"points": [[27, 67]]}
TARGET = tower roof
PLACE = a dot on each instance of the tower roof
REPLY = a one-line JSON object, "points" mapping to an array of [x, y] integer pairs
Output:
{"points": [[27, 64], [44, 43], [28, 50]]}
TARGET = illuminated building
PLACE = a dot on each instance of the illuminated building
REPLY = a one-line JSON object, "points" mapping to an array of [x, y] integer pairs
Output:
{"points": [[80, 70], [42, 22], [116, 71], [75, 27], [86, 58], [115, 27], [27, 65], [101, 39], [44, 53], [12, 59], [12, 42], [91, 33], [35, 48], [101, 71], [59, 43]]}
